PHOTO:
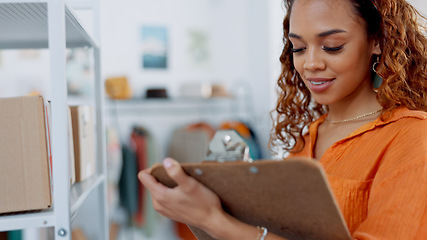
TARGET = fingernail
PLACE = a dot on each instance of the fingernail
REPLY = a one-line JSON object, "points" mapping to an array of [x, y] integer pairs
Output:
{"points": [[167, 163], [140, 175]]}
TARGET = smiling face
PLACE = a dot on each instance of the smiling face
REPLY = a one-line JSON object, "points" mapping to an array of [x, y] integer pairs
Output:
{"points": [[331, 50]]}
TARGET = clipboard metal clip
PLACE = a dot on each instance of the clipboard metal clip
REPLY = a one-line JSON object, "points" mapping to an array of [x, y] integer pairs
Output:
{"points": [[228, 145]]}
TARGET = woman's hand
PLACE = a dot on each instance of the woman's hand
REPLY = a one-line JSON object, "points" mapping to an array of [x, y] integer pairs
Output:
{"points": [[190, 202]]}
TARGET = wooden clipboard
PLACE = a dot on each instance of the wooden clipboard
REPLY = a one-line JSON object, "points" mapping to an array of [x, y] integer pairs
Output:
{"points": [[291, 198]]}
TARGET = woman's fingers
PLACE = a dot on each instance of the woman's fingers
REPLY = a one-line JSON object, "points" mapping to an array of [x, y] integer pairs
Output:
{"points": [[190, 202], [158, 191], [150, 182], [175, 171]]}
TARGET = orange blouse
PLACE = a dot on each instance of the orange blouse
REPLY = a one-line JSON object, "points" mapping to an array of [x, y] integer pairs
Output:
{"points": [[379, 176]]}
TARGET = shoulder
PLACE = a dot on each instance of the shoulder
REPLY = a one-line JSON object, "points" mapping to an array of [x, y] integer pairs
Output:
{"points": [[405, 113], [399, 140], [407, 122], [407, 125], [406, 145]]}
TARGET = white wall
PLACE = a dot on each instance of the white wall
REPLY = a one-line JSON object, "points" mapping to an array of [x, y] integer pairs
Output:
{"points": [[420, 5], [22, 72], [121, 42], [243, 54], [244, 47], [264, 44], [240, 50]]}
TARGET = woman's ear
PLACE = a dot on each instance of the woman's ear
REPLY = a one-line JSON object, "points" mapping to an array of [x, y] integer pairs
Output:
{"points": [[376, 49]]}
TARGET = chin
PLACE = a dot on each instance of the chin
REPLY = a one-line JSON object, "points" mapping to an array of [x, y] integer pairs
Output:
{"points": [[324, 100]]}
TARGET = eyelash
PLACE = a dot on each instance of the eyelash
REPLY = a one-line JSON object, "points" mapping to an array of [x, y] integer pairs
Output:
{"points": [[332, 49], [328, 49], [297, 50]]}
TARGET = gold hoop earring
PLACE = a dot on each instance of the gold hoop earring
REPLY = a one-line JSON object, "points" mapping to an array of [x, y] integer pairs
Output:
{"points": [[377, 80]]}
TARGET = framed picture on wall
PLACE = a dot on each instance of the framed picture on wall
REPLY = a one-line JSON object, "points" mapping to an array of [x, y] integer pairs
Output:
{"points": [[198, 55], [154, 47]]}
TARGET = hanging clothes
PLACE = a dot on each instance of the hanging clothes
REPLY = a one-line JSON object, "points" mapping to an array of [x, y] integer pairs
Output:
{"points": [[146, 155], [139, 139], [114, 170], [128, 183], [141, 154], [190, 143], [247, 134]]}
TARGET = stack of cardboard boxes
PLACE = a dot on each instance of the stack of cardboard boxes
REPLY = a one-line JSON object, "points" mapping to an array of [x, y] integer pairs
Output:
{"points": [[25, 176], [24, 171], [84, 142]]}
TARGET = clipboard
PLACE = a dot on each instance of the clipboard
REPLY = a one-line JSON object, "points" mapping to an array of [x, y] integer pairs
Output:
{"points": [[291, 198]]}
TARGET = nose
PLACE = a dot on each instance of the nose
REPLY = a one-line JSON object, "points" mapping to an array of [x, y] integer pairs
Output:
{"points": [[314, 61]]}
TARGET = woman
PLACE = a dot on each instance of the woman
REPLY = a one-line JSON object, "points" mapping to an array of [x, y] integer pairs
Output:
{"points": [[353, 95]]}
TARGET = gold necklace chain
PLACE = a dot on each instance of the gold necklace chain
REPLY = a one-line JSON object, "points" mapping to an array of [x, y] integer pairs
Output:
{"points": [[355, 118]]}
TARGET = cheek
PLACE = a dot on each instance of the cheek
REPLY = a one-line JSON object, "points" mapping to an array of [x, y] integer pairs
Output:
{"points": [[299, 64], [341, 65], [349, 64]]}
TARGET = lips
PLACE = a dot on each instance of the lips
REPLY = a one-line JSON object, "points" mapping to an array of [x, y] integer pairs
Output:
{"points": [[318, 85]]}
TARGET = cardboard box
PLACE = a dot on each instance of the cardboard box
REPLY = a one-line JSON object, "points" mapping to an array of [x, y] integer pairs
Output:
{"points": [[78, 234], [84, 141], [71, 158], [24, 171]]}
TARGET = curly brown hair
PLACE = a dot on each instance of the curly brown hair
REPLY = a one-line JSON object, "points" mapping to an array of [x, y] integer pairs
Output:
{"points": [[396, 25]]}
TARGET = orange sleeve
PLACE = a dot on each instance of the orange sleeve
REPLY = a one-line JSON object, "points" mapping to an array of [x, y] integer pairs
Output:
{"points": [[397, 206]]}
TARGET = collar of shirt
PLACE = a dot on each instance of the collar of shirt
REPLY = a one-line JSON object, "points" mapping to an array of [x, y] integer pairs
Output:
{"points": [[396, 114]]}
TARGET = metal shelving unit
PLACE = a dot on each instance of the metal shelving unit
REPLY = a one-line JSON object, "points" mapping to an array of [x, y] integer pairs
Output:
{"points": [[175, 106], [52, 24]]}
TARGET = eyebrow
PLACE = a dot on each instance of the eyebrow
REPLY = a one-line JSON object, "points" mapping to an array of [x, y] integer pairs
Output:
{"points": [[323, 34]]}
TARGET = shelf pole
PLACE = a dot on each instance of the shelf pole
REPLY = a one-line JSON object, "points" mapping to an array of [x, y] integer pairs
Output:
{"points": [[59, 143], [101, 142], [100, 120]]}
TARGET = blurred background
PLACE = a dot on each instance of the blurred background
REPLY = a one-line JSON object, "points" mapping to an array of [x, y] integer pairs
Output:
{"points": [[175, 71]]}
